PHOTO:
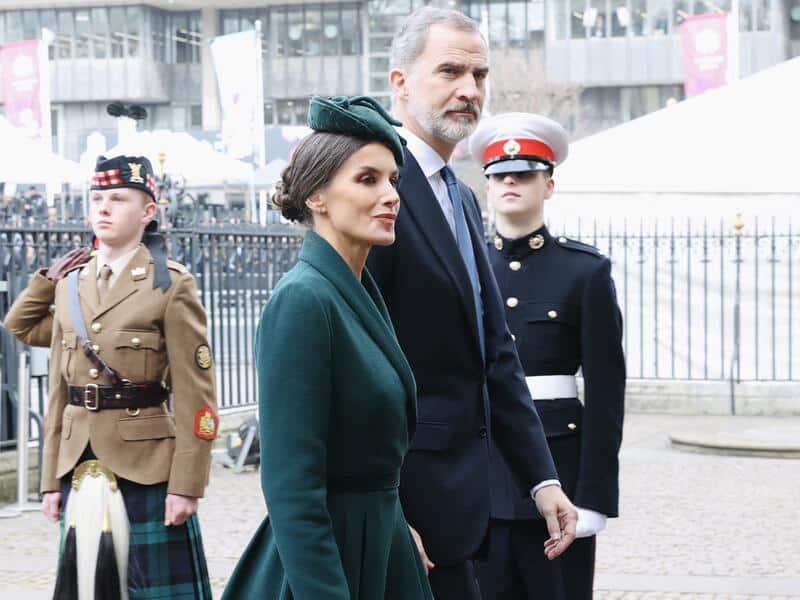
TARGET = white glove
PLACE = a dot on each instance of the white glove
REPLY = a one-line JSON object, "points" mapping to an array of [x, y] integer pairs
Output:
{"points": [[589, 523]]}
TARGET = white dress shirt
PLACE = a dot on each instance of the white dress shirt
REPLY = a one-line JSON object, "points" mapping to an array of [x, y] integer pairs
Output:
{"points": [[431, 163]]}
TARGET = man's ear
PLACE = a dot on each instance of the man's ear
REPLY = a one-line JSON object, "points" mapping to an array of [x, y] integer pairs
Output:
{"points": [[549, 188], [149, 212], [398, 81]]}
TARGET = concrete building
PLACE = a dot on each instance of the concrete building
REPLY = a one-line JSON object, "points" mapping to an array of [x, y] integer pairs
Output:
{"points": [[621, 58]]}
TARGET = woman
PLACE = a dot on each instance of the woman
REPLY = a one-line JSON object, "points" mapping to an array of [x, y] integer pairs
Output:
{"points": [[337, 397]]}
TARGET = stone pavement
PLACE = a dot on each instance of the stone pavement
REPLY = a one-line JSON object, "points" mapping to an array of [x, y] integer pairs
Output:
{"points": [[693, 526]]}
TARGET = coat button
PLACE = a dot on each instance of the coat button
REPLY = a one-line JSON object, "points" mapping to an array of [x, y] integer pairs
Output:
{"points": [[552, 314], [512, 302], [95, 347], [63, 343], [515, 265], [572, 426], [94, 373], [96, 327], [136, 342], [513, 338], [482, 432], [562, 240]]}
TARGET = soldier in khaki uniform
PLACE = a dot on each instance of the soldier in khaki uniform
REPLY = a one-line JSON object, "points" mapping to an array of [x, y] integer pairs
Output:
{"points": [[127, 330]]}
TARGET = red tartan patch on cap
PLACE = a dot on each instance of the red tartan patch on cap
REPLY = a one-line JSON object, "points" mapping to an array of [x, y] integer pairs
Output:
{"points": [[105, 178], [206, 423]]}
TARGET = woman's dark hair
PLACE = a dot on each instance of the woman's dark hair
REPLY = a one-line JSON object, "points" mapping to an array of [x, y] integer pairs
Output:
{"points": [[315, 161]]}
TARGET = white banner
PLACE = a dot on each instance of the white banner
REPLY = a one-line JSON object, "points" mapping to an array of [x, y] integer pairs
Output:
{"points": [[236, 61]]}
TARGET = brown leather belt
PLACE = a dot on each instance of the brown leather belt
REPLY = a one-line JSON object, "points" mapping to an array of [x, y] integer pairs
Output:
{"points": [[128, 395]]}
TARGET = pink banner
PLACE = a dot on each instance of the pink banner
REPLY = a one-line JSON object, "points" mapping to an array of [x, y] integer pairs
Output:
{"points": [[21, 85], [704, 40]]}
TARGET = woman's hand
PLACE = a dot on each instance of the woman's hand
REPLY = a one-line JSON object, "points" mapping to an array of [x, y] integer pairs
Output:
{"points": [[426, 562], [178, 508], [51, 506]]}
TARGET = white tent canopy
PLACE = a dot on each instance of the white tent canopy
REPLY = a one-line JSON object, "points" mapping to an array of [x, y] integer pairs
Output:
{"points": [[190, 158], [722, 148], [23, 160]]}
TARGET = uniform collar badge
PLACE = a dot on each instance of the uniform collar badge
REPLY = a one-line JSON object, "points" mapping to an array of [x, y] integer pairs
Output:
{"points": [[536, 241], [498, 242], [138, 273]]}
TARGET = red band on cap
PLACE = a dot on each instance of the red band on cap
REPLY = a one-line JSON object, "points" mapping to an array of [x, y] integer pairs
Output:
{"points": [[517, 147]]}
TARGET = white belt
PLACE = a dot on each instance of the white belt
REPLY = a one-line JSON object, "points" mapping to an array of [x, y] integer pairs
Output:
{"points": [[548, 387]]}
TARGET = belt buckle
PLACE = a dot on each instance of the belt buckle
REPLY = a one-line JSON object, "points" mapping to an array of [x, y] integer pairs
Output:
{"points": [[86, 401]]}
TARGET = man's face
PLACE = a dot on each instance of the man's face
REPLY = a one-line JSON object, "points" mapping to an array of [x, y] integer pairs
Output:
{"points": [[519, 194], [446, 85], [118, 216]]}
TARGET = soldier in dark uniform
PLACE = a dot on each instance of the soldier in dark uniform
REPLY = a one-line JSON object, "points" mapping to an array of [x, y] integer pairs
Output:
{"points": [[562, 312]]}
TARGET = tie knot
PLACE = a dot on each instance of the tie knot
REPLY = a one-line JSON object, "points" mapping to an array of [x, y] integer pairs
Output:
{"points": [[448, 176], [105, 273]]}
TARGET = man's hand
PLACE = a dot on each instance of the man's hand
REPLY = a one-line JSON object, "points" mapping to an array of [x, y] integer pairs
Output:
{"points": [[178, 508], [426, 562], [561, 517], [51, 506], [71, 259]]}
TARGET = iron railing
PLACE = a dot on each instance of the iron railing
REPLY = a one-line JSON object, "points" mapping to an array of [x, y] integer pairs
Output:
{"points": [[701, 300]]}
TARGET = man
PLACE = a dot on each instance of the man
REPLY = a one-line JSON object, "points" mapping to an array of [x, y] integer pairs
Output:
{"points": [[449, 319], [562, 310], [126, 326]]}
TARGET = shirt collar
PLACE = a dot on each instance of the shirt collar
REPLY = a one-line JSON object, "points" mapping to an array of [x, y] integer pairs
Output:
{"points": [[428, 159], [118, 264]]}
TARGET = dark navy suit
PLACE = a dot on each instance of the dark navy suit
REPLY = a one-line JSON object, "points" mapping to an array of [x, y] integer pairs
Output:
{"points": [[562, 310], [462, 401]]}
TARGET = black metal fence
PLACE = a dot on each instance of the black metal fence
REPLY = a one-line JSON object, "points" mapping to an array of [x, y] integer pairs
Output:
{"points": [[701, 300]]}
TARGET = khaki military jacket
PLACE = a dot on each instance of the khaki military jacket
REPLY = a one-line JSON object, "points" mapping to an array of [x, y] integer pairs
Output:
{"points": [[146, 335]]}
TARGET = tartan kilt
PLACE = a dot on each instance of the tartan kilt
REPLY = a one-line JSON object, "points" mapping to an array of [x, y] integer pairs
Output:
{"points": [[164, 562]]}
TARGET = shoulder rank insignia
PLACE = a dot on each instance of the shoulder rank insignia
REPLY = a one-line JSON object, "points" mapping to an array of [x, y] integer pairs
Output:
{"points": [[138, 273], [202, 356], [206, 422]]}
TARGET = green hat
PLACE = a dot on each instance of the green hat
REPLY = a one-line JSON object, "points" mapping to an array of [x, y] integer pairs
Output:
{"points": [[357, 116]]}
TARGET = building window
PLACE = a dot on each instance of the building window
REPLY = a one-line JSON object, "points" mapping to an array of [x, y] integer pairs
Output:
{"points": [[99, 33], [116, 18], [134, 31], [292, 112], [196, 115], [187, 36], [331, 30], [81, 34]]}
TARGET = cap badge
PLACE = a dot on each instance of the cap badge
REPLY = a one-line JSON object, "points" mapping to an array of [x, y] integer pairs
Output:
{"points": [[498, 242], [536, 241], [512, 147], [136, 176]]}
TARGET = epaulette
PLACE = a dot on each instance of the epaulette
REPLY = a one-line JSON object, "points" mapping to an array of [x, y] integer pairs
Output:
{"points": [[176, 266], [579, 246]]}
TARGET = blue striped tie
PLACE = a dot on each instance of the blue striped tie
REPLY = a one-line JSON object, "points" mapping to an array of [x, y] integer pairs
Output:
{"points": [[465, 248]]}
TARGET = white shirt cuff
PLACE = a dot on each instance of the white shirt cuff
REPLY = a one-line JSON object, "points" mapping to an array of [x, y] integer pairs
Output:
{"points": [[545, 483], [589, 523]]}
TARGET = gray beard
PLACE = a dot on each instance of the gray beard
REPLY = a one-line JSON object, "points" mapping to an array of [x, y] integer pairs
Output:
{"points": [[439, 126]]}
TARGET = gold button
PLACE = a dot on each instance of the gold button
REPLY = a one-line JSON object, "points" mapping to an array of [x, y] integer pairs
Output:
{"points": [[136, 342], [94, 373], [95, 347], [515, 265], [572, 426], [96, 327], [552, 314], [117, 396], [512, 302], [513, 337]]}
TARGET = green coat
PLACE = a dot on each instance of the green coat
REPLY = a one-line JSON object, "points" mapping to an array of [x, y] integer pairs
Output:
{"points": [[337, 403]]}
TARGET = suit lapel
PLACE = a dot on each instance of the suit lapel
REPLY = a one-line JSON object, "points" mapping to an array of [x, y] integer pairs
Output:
{"points": [[366, 302], [87, 288], [125, 285], [421, 203]]}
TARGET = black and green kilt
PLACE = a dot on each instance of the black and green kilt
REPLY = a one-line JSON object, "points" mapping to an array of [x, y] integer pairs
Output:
{"points": [[164, 562]]}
